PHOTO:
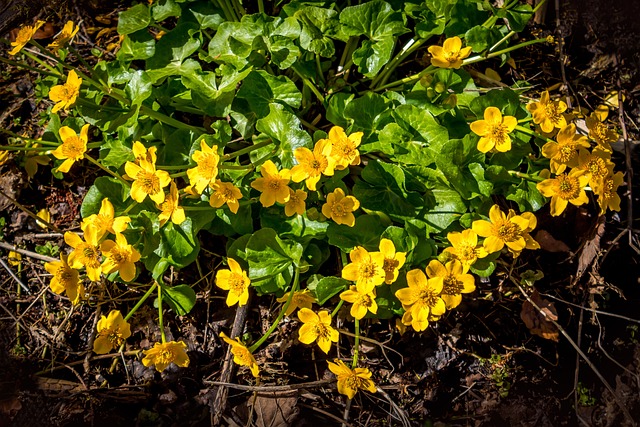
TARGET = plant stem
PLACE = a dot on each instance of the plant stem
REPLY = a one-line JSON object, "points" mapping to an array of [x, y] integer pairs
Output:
{"points": [[338, 307], [411, 46], [533, 133], [110, 172], [23, 148], [160, 322], [246, 150], [356, 346], [526, 176], [479, 58], [139, 303], [27, 67], [310, 85], [276, 322], [35, 141]]}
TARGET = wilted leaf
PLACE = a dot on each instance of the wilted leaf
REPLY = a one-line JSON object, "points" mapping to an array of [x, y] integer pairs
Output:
{"points": [[539, 321]]}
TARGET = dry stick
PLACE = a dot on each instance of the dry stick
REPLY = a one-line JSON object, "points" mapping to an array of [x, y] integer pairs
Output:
{"points": [[14, 276], [220, 401], [328, 414], [271, 388], [577, 371], [580, 352], [567, 87], [31, 214], [92, 337], [400, 413], [30, 254], [593, 310], [627, 158]]}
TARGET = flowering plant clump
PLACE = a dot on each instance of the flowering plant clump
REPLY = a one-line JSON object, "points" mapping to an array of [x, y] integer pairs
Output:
{"points": [[293, 144]]}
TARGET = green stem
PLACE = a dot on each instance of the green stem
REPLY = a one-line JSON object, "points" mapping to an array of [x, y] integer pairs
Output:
{"points": [[319, 69], [178, 175], [169, 120], [110, 172], [131, 206], [338, 307], [79, 56], [35, 141], [41, 62], [356, 346], [160, 322], [308, 84], [22, 148], [533, 133], [27, 67], [139, 303], [197, 208], [247, 150], [172, 168], [276, 322], [411, 46], [235, 167], [238, 9], [479, 58], [260, 6], [526, 176]]}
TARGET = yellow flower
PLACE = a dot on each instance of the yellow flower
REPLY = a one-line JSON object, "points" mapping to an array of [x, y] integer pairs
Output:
{"points": [[14, 258], [273, 185], [45, 215], [296, 203], [596, 165], [105, 221], [119, 256], [547, 113], [241, 354], [564, 153], [65, 95], [112, 331], [450, 54], [236, 281], [317, 327], [4, 156], [64, 37], [301, 299], [607, 192], [502, 230], [565, 189], [393, 261], [340, 208], [313, 164], [85, 252], [24, 35], [140, 152], [454, 279], [225, 192], [65, 279], [163, 354], [72, 148], [494, 130], [206, 171], [344, 149], [147, 181], [170, 207], [350, 380], [366, 269], [600, 132], [420, 300], [465, 247], [362, 302]]}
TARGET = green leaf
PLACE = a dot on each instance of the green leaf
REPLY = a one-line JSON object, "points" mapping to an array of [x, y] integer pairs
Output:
{"points": [[179, 243], [318, 25], [203, 13], [479, 38], [464, 15], [139, 87], [181, 298], [365, 232], [422, 125], [518, 16], [233, 42], [299, 227], [164, 9], [173, 49], [324, 288], [506, 100], [138, 45], [104, 187], [448, 208], [383, 189], [134, 19], [369, 112], [214, 97], [259, 89], [113, 153], [284, 127]]}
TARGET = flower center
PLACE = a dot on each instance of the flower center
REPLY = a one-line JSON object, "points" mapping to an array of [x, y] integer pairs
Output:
{"points": [[149, 182], [317, 166], [165, 357], [208, 167], [467, 252], [552, 113], [322, 331], [390, 264], [365, 300], [566, 153], [498, 133], [507, 231], [118, 255], [73, 148], [90, 255], [367, 270], [452, 286], [227, 194], [236, 283], [274, 184], [428, 297], [598, 167], [568, 187], [114, 338], [337, 210], [65, 275]]}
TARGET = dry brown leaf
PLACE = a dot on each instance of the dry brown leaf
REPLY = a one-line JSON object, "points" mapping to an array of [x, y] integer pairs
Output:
{"points": [[590, 249], [538, 321], [275, 409], [549, 243]]}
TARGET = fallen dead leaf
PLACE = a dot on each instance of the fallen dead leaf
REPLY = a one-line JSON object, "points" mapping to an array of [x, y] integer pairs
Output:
{"points": [[538, 320], [549, 243], [276, 409]]}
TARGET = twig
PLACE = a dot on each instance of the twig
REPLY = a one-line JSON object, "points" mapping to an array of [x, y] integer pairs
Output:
{"points": [[14, 276], [30, 254], [593, 310], [31, 214], [270, 388], [401, 414], [328, 414]]}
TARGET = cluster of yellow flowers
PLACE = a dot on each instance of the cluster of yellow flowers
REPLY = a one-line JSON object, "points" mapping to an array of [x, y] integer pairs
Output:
{"points": [[572, 162]]}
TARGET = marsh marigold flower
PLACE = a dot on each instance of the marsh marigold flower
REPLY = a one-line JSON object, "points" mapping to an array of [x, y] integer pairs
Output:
{"points": [[24, 35], [464, 247], [206, 171], [351, 380], [112, 331], [494, 130], [86, 253], [366, 269], [503, 230], [296, 203], [140, 152], [147, 181], [599, 131], [170, 209], [236, 281], [105, 220], [595, 164], [455, 281], [361, 301], [344, 149], [65, 95], [313, 164], [45, 215], [225, 192], [64, 37], [241, 354], [340, 207], [72, 148], [317, 327], [548, 113], [420, 300], [119, 256], [65, 279], [301, 299], [393, 261], [607, 191], [163, 354], [565, 189], [564, 153], [450, 54], [273, 185]]}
